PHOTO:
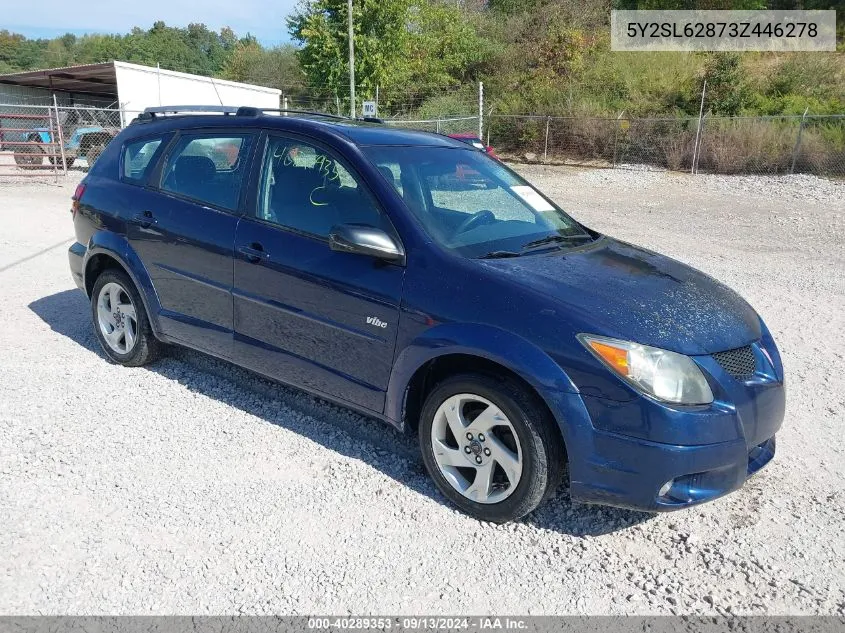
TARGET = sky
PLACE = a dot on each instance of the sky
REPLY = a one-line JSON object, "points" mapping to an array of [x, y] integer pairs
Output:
{"points": [[265, 19]]}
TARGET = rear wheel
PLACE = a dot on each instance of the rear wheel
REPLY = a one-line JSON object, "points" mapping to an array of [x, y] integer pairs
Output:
{"points": [[120, 321], [490, 446], [58, 161]]}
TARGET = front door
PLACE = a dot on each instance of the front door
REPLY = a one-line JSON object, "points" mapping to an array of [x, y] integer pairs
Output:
{"points": [[304, 314]]}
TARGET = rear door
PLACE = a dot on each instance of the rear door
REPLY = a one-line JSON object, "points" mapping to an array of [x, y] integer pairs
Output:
{"points": [[183, 229], [305, 314]]}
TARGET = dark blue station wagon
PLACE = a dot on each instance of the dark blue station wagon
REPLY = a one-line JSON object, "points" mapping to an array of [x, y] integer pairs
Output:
{"points": [[413, 278]]}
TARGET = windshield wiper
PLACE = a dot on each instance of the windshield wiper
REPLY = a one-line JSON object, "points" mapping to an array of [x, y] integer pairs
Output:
{"points": [[554, 239], [499, 255]]}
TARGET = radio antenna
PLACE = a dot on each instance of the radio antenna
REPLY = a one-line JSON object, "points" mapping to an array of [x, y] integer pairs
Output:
{"points": [[214, 85]]}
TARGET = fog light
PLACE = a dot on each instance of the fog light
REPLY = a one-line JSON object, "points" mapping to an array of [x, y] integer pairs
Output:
{"points": [[665, 488]]}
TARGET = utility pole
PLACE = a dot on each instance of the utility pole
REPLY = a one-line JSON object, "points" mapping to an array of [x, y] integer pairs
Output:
{"points": [[351, 62]]}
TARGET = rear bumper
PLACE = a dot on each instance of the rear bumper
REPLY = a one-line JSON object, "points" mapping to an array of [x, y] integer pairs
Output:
{"points": [[76, 259]]}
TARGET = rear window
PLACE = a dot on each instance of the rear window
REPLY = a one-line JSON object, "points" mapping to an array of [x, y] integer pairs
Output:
{"points": [[138, 158]]}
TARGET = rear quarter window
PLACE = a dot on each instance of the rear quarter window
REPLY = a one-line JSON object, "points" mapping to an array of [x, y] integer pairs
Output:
{"points": [[137, 160]]}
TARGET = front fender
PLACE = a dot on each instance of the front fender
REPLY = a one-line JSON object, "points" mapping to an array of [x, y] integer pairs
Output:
{"points": [[118, 248], [491, 343]]}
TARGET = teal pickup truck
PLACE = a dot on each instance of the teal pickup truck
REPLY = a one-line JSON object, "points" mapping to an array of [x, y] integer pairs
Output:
{"points": [[84, 134], [83, 142]]}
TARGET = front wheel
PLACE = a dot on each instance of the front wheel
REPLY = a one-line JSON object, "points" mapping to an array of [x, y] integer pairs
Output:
{"points": [[490, 446], [120, 321]]}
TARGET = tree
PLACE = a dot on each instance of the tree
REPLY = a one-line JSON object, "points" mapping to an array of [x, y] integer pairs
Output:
{"points": [[408, 48], [380, 36], [510, 7], [726, 92], [274, 67]]}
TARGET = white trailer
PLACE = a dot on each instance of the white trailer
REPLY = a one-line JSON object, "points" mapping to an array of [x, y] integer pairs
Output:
{"points": [[140, 87], [128, 87]]}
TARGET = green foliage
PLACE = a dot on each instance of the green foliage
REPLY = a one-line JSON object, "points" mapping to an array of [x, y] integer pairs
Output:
{"points": [[510, 7], [272, 67], [193, 49], [421, 43], [548, 57], [380, 38], [725, 5], [726, 90]]}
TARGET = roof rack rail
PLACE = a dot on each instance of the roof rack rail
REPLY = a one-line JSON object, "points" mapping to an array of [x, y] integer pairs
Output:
{"points": [[152, 111], [254, 111]]}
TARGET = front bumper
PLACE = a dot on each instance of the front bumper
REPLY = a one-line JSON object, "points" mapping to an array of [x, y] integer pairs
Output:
{"points": [[649, 456], [633, 473]]}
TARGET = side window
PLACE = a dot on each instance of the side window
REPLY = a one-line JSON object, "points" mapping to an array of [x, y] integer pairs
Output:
{"points": [[138, 158], [208, 168], [306, 189]]}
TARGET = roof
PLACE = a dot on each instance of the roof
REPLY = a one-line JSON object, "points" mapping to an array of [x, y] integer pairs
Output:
{"points": [[94, 79], [358, 132], [377, 134], [101, 79]]}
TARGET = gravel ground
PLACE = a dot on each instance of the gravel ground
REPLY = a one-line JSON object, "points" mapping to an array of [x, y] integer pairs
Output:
{"points": [[194, 487]]}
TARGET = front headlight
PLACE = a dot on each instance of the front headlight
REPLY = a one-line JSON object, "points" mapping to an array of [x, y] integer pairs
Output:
{"points": [[665, 375]]}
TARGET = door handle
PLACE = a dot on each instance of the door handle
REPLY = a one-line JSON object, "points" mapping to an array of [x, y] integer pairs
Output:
{"points": [[145, 219], [254, 253]]}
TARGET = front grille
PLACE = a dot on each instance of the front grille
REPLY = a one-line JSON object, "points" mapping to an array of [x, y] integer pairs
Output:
{"points": [[739, 363]]}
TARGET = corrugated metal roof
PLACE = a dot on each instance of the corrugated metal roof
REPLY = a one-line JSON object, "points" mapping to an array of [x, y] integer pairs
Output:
{"points": [[95, 79]]}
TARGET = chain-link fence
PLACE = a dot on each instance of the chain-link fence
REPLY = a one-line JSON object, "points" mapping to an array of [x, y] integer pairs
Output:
{"points": [[440, 125], [48, 140], [44, 140], [727, 145]]}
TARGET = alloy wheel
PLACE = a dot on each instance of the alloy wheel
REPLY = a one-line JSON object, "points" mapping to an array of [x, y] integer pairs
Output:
{"points": [[476, 448], [117, 318]]}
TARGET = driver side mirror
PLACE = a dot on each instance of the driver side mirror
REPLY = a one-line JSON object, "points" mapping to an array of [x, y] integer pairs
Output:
{"points": [[366, 240]]}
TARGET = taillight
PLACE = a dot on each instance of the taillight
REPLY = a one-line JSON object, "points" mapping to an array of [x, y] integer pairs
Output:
{"points": [[77, 196]]}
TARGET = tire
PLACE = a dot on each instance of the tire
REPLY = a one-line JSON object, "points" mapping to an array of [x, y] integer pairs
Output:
{"points": [[33, 159], [125, 339], [528, 433], [58, 161]]}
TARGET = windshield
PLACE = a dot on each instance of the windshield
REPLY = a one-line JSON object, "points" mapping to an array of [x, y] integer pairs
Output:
{"points": [[473, 204]]}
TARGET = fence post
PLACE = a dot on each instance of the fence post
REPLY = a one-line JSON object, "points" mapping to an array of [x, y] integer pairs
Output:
{"points": [[698, 130], [480, 109], [546, 145], [797, 147], [61, 137], [438, 124], [489, 123], [616, 136], [703, 127], [285, 105]]}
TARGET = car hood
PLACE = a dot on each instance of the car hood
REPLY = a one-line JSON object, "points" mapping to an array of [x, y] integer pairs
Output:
{"points": [[616, 289]]}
